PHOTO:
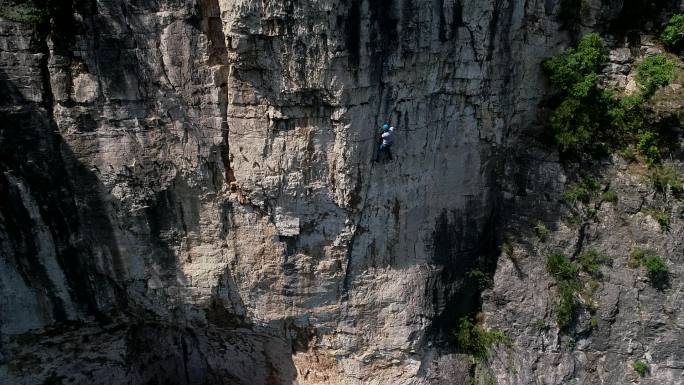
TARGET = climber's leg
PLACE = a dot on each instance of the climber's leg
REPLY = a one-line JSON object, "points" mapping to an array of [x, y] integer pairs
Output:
{"points": [[378, 154]]}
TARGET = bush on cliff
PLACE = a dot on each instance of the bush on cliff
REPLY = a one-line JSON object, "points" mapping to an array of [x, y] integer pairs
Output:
{"points": [[27, 13], [590, 120], [474, 339], [654, 72], [673, 35], [565, 273]]}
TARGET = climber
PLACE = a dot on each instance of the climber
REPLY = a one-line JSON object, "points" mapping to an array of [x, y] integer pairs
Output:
{"points": [[385, 141]]}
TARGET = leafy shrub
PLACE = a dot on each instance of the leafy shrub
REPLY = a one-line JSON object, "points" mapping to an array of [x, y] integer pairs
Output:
{"points": [[673, 34], [541, 231], [609, 196], [576, 194], [590, 262], [657, 271], [475, 340], [590, 120], [567, 305], [575, 74], [559, 266], [649, 146], [565, 273], [654, 72], [575, 71], [582, 191], [592, 212], [640, 367], [27, 13]]}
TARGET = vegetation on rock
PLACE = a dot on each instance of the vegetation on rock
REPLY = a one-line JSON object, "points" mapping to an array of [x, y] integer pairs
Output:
{"points": [[673, 35], [657, 271], [654, 72], [610, 196], [590, 120], [541, 231], [27, 13], [474, 339], [565, 273], [636, 256], [640, 367], [590, 261]]}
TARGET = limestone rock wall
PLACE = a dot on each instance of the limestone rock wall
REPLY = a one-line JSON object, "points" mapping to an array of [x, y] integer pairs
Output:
{"points": [[203, 169]]}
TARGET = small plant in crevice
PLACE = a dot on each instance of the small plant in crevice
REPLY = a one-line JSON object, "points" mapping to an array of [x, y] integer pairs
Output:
{"points": [[541, 231], [583, 191], [561, 268], [609, 196], [565, 273], [576, 194], [594, 322], [592, 212], [590, 262], [567, 304], [475, 340], [661, 217], [665, 177], [541, 325], [636, 256], [657, 270], [640, 367]]}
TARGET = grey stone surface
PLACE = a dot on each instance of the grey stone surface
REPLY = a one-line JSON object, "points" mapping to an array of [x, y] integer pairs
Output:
{"points": [[187, 197]]}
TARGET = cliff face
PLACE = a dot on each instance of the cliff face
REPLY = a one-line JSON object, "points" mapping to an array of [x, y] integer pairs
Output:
{"points": [[188, 194]]}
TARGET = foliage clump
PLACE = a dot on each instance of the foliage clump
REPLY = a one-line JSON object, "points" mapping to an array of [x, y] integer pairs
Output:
{"points": [[657, 270], [575, 74], [609, 196], [665, 176], [27, 13], [474, 339], [640, 367], [662, 218], [590, 262], [590, 120], [541, 231], [636, 256], [565, 273], [673, 34], [654, 72], [583, 191]]}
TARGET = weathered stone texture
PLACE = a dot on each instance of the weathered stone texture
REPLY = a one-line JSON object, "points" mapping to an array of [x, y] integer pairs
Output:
{"points": [[202, 170]]}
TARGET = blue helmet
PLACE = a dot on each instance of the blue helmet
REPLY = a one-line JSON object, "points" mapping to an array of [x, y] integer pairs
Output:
{"points": [[385, 127]]}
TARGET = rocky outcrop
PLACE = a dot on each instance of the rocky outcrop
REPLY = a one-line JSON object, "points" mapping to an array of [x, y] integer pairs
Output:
{"points": [[188, 193]]}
